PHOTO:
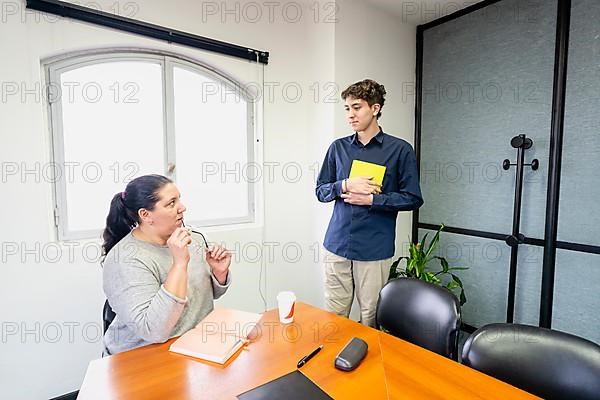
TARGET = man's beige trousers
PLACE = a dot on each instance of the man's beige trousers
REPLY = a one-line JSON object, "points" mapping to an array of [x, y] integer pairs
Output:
{"points": [[344, 277]]}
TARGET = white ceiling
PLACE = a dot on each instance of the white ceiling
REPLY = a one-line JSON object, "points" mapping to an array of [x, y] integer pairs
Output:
{"points": [[421, 11]]}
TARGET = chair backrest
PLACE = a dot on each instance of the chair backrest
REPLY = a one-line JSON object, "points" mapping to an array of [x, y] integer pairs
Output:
{"points": [[421, 313], [107, 315], [545, 362]]}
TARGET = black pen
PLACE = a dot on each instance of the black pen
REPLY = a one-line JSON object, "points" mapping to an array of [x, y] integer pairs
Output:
{"points": [[305, 359]]}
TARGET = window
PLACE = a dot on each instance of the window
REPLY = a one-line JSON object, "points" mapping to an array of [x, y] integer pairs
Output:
{"points": [[118, 115]]}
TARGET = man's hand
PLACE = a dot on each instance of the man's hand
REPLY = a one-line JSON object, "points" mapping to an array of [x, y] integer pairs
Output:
{"points": [[358, 199], [363, 185]]}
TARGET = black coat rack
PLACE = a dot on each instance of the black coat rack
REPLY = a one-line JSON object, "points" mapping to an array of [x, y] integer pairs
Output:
{"points": [[521, 143]]}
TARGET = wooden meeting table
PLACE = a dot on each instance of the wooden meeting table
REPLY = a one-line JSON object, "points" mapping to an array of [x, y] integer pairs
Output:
{"points": [[392, 369]]}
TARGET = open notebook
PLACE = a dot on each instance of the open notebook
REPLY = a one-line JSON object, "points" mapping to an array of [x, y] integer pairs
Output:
{"points": [[218, 336]]}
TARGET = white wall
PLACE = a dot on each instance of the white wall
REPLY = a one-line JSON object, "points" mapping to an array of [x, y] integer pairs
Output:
{"points": [[45, 350]]}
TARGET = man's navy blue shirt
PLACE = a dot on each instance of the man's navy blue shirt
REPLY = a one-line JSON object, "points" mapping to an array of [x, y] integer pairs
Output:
{"points": [[367, 233]]}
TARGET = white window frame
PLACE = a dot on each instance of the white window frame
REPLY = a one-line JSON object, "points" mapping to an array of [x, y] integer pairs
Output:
{"points": [[55, 66]]}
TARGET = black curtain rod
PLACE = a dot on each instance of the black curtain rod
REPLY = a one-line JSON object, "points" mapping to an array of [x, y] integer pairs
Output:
{"points": [[145, 29]]}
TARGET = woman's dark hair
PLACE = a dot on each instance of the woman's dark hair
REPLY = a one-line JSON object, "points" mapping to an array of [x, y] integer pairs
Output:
{"points": [[367, 90], [142, 192]]}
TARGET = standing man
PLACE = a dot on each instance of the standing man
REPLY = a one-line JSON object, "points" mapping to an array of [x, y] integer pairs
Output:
{"points": [[360, 239]]}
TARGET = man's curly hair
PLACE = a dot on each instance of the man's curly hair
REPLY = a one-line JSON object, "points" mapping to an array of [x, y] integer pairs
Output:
{"points": [[367, 90]]}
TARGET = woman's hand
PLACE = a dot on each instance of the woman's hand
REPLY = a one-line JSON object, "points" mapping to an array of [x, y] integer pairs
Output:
{"points": [[219, 260], [176, 282], [178, 246]]}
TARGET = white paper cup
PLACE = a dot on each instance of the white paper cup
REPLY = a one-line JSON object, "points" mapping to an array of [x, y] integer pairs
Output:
{"points": [[286, 302]]}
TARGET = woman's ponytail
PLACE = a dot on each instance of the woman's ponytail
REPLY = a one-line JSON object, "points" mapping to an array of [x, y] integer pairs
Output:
{"points": [[119, 223]]}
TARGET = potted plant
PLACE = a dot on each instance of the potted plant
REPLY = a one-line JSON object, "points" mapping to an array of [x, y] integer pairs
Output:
{"points": [[418, 262]]}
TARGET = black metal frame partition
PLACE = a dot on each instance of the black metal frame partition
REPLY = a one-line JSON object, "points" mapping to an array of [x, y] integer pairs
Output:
{"points": [[549, 242]]}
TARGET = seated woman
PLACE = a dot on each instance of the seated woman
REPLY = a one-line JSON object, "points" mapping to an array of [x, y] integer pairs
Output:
{"points": [[157, 287]]}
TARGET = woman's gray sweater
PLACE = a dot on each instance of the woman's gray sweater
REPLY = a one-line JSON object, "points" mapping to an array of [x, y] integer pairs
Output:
{"points": [[133, 275]]}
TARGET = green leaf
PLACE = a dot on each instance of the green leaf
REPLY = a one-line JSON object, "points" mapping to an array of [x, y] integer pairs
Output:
{"points": [[424, 238], [417, 266], [412, 252], [444, 263], [394, 268], [422, 244], [457, 280], [434, 241], [452, 285], [463, 298], [412, 265]]}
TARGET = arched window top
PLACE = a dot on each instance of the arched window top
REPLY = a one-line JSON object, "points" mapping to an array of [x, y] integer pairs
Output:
{"points": [[120, 113], [74, 60]]}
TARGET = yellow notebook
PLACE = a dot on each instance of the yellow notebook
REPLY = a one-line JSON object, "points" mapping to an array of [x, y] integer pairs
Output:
{"points": [[363, 168]]}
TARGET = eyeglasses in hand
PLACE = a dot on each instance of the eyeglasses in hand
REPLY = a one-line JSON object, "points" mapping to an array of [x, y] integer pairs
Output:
{"points": [[196, 231]]}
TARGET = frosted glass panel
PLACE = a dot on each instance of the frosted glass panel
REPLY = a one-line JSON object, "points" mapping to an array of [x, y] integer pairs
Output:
{"points": [[486, 280], [112, 117], [576, 300], [529, 289], [580, 182], [211, 129], [487, 77]]}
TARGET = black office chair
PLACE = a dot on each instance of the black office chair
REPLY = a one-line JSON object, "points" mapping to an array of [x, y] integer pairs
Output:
{"points": [[107, 315], [545, 362], [421, 313]]}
